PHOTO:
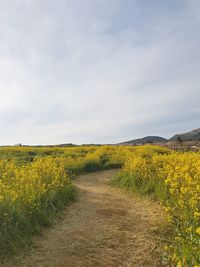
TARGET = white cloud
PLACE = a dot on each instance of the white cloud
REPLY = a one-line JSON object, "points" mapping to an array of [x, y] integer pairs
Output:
{"points": [[97, 71]]}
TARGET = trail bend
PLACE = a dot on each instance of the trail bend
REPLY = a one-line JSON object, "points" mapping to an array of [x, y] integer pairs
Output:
{"points": [[105, 227]]}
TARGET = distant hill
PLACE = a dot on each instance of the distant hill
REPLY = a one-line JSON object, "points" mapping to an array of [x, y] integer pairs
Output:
{"points": [[189, 136], [145, 140]]}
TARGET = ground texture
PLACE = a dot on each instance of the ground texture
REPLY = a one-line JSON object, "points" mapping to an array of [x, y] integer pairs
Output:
{"points": [[105, 227]]}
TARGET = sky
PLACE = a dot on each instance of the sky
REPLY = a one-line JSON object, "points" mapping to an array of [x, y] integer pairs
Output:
{"points": [[98, 71]]}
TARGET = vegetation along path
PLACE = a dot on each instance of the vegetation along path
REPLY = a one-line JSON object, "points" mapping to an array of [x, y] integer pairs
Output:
{"points": [[105, 227]]}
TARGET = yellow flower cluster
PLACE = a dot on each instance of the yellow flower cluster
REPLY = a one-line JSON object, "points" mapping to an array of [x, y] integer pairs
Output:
{"points": [[174, 179], [30, 195]]}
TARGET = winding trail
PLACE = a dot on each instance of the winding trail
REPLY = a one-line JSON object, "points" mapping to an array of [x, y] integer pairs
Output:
{"points": [[104, 228]]}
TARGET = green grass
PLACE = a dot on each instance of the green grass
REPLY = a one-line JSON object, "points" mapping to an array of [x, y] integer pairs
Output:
{"points": [[156, 190], [19, 226]]}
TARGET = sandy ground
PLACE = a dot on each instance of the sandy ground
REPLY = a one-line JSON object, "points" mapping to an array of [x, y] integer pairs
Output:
{"points": [[104, 228]]}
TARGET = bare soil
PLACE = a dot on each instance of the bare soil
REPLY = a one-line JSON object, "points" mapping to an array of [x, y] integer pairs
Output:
{"points": [[104, 228]]}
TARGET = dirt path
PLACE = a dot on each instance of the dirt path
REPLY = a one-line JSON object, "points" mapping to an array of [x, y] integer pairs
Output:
{"points": [[104, 228]]}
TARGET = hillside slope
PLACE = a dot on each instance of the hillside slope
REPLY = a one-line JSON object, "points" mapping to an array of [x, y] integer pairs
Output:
{"points": [[145, 140], [189, 136]]}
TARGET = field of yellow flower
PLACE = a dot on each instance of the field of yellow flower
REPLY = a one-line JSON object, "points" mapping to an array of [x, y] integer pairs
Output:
{"points": [[35, 183], [174, 179]]}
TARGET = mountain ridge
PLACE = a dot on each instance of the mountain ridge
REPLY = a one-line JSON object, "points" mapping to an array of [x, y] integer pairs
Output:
{"points": [[145, 140], [193, 135], [190, 136]]}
